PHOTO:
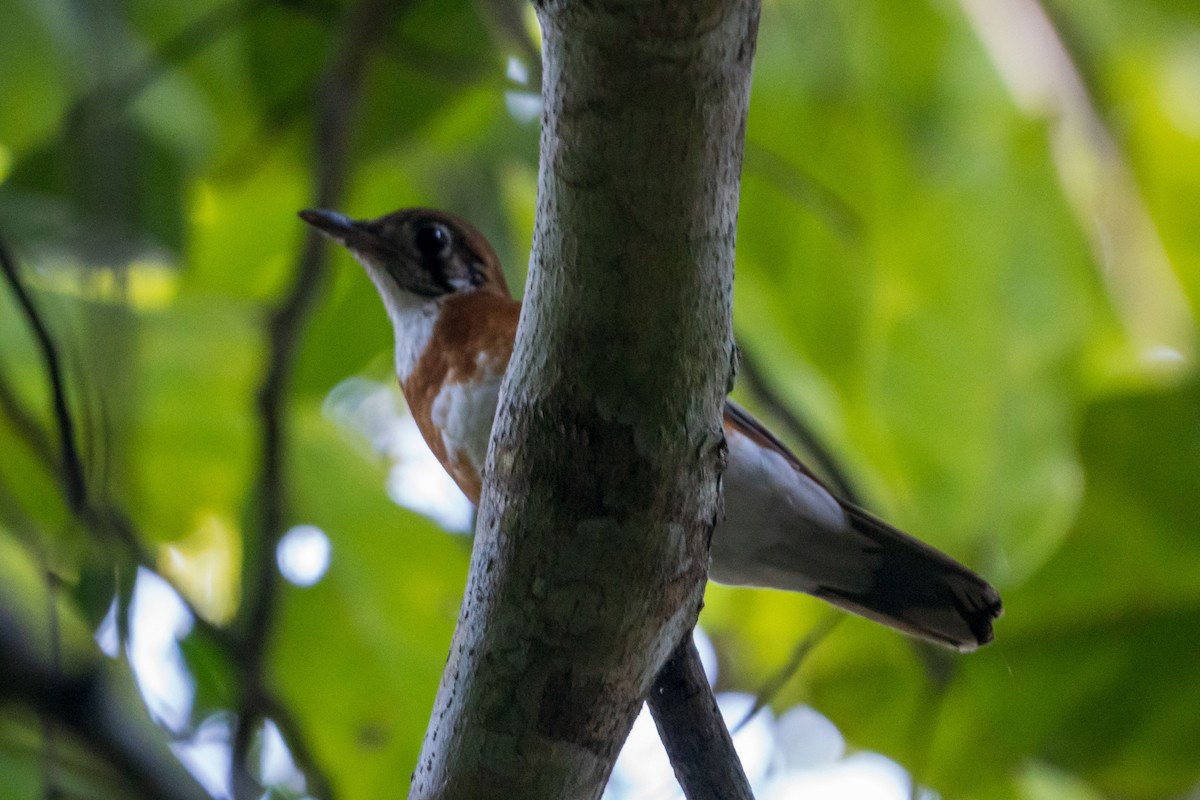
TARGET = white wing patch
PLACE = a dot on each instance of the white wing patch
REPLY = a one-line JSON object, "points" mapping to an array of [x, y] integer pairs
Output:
{"points": [[464, 412]]}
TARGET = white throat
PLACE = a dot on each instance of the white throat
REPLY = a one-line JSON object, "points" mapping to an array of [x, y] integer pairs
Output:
{"points": [[412, 317]]}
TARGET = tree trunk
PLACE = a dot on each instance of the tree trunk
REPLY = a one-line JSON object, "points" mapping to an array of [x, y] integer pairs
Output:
{"points": [[602, 483]]}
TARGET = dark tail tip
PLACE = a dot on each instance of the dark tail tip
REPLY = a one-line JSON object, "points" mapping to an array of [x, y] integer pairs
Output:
{"points": [[920, 590], [979, 609]]}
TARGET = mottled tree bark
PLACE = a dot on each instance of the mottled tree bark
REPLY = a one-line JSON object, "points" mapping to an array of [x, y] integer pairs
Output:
{"points": [[602, 481]]}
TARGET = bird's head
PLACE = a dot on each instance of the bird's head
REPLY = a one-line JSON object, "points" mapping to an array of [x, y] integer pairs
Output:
{"points": [[416, 255]]}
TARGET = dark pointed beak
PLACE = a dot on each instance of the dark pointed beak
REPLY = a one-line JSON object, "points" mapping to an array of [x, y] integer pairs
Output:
{"points": [[336, 226]]}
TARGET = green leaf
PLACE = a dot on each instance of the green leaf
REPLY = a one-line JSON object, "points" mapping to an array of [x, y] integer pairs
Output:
{"points": [[377, 627], [195, 436]]}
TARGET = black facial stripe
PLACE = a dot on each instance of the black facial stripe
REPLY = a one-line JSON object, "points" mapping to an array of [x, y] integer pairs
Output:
{"points": [[425, 290], [435, 267], [474, 263]]}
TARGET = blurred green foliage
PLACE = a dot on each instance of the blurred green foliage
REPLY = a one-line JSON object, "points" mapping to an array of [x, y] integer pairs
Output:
{"points": [[984, 303]]}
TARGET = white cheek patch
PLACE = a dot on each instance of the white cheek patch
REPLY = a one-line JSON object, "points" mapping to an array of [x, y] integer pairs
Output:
{"points": [[461, 284], [464, 412], [471, 276]]}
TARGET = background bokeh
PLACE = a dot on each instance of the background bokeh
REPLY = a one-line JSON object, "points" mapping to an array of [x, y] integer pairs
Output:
{"points": [[968, 264]]}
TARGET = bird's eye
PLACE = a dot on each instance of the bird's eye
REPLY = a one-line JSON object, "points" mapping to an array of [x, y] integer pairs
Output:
{"points": [[432, 240]]}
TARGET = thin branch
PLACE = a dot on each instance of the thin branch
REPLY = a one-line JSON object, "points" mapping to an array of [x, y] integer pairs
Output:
{"points": [[284, 113], [336, 112], [827, 464], [95, 516], [116, 523], [337, 103], [71, 465], [113, 96], [89, 695], [318, 784], [100, 517], [807, 645], [49, 729], [693, 731], [284, 327], [106, 714], [804, 189]]}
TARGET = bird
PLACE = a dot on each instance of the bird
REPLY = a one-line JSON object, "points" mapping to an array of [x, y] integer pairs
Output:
{"points": [[455, 322]]}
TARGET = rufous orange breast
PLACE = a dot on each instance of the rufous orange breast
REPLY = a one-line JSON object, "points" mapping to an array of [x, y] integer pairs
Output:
{"points": [[455, 323], [455, 383]]}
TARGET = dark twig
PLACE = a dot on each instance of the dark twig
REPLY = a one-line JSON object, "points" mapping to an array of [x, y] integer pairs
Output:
{"points": [[102, 709], [71, 466], [804, 189], [69, 683], [99, 517], [116, 523], [49, 729], [285, 327], [112, 97], [693, 731], [827, 464], [337, 102], [336, 110], [772, 687], [284, 113], [317, 783]]}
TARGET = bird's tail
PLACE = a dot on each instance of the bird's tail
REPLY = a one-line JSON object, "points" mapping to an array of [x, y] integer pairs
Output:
{"points": [[918, 589]]}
